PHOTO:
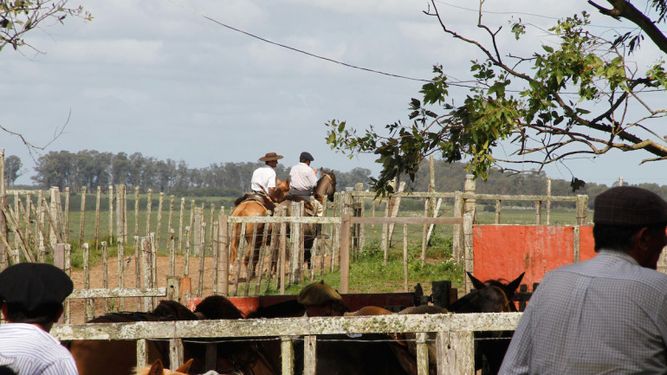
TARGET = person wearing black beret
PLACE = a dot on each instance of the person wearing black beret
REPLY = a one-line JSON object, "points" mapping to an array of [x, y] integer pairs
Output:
{"points": [[303, 179], [608, 314], [32, 296]]}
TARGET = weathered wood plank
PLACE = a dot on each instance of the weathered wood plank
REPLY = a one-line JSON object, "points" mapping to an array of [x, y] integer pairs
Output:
{"points": [[117, 292], [309, 355], [289, 326], [287, 355]]}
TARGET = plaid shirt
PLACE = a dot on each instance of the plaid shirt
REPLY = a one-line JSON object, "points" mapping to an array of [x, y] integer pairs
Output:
{"points": [[607, 315]]}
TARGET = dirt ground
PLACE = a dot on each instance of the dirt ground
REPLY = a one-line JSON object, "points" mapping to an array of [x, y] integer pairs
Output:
{"points": [[130, 281], [102, 306]]}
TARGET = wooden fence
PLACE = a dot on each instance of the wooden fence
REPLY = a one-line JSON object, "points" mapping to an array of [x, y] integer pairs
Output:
{"points": [[454, 340], [195, 237]]}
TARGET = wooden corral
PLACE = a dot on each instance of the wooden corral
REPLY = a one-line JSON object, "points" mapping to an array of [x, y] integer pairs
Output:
{"points": [[454, 334]]}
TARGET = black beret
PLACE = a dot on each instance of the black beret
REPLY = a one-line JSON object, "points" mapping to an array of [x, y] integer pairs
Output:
{"points": [[629, 206], [33, 285], [306, 156]]}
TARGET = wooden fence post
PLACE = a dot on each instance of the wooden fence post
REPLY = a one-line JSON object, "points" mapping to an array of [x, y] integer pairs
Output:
{"points": [[548, 204], [82, 216], [54, 194], [110, 193], [345, 228], [64, 217], [223, 248], [582, 209], [287, 355], [309, 354], [282, 255], [457, 232], [456, 353], [422, 353], [98, 201], [468, 250], [358, 234], [295, 239]]}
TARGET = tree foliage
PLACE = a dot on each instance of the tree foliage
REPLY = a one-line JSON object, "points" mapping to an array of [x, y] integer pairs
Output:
{"points": [[20, 16], [90, 169], [567, 99], [13, 166]]}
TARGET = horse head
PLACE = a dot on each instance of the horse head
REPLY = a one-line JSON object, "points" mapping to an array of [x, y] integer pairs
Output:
{"points": [[509, 288], [157, 368], [326, 186]]}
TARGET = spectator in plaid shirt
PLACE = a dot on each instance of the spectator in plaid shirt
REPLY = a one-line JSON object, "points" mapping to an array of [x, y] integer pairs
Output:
{"points": [[606, 315]]}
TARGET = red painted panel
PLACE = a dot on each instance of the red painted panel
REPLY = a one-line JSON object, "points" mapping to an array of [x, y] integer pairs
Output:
{"points": [[504, 251]]}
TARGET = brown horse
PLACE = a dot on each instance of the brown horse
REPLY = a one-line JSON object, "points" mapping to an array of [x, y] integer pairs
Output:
{"points": [[255, 205], [157, 368]]}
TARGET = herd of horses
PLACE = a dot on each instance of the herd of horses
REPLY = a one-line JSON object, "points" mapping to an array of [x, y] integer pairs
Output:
{"points": [[336, 354]]}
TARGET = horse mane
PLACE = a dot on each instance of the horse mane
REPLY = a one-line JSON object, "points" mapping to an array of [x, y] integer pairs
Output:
{"points": [[218, 307], [165, 311], [488, 299], [157, 368], [289, 308], [317, 191]]}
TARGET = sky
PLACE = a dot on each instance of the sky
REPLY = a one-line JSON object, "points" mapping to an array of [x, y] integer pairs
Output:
{"points": [[158, 77]]}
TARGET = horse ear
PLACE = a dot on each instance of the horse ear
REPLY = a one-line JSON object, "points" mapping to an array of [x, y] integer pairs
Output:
{"points": [[512, 286], [156, 368], [184, 368], [478, 284]]}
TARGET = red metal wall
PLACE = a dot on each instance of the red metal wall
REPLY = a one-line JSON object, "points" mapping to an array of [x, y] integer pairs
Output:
{"points": [[504, 251]]}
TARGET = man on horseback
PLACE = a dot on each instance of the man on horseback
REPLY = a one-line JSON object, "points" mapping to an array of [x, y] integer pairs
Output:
{"points": [[263, 183], [303, 179], [263, 179]]}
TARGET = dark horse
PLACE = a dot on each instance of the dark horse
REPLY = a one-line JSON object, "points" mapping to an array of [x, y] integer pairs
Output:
{"points": [[489, 296], [119, 357], [336, 354], [323, 191]]}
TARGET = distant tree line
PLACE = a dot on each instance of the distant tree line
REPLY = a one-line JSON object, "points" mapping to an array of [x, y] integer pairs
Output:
{"points": [[90, 169]]}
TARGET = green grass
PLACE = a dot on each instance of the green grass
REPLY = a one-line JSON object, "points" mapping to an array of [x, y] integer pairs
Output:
{"points": [[368, 273]]}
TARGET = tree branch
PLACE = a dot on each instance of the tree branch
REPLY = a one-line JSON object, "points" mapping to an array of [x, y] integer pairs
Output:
{"points": [[624, 9]]}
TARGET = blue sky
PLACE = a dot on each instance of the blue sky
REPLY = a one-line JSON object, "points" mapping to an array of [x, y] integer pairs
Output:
{"points": [[157, 77]]}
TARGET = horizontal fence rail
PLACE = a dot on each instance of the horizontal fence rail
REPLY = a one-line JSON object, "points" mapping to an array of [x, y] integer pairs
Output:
{"points": [[454, 340]]}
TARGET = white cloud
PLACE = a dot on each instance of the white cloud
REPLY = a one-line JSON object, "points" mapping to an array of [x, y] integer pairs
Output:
{"points": [[117, 51]]}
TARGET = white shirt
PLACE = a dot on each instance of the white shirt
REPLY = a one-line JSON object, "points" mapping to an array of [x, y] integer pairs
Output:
{"points": [[302, 177], [262, 179], [33, 351]]}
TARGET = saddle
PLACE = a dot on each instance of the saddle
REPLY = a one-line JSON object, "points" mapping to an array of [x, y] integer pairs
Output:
{"points": [[262, 199], [308, 208]]}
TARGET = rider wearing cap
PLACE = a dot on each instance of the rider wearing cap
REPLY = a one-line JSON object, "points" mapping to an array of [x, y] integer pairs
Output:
{"points": [[32, 295], [263, 179], [303, 179]]}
